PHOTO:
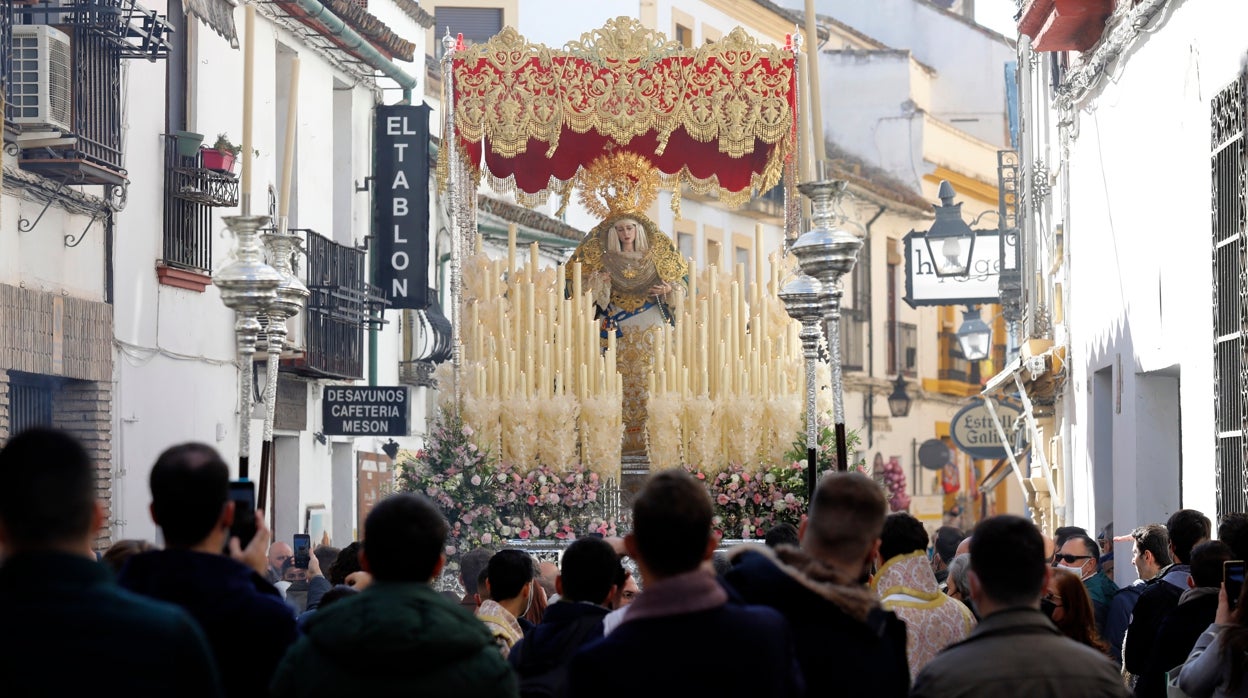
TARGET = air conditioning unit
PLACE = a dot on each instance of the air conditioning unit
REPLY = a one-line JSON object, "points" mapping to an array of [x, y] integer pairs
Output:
{"points": [[40, 92]]}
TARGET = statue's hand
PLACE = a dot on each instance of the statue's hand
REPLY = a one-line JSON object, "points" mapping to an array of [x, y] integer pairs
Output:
{"points": [[661, 289]]}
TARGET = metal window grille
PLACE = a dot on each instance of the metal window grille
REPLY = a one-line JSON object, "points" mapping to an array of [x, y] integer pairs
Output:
{"points": [[1229, 290], [30, 403], [342, 304], [6, 49], [853, 339], [188, 223], [907, 348]]}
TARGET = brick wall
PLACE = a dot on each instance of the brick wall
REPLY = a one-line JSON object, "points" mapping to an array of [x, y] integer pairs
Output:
{"points": [[85, 409]]}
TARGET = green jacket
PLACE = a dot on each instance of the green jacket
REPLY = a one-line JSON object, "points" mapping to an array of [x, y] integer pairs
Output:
{"points": [[395, 639]]}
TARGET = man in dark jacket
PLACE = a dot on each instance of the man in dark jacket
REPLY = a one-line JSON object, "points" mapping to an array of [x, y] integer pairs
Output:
{"points": [[398, 636], [1150, 552], [846, 643], [1197, 606], [584, 585], [682, 627], [242, 614], [65, 627], [1160, 597], [1015, 650]]}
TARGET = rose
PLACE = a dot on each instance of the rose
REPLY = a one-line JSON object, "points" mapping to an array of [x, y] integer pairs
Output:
{"points": [[722, 499], [532, 499], [486, 539], [476, 480]]}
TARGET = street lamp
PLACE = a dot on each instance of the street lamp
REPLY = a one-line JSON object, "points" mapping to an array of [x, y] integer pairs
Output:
{"points": [[803, 301], [899, 401], [974, 336], [828, 252], [950, 241]]}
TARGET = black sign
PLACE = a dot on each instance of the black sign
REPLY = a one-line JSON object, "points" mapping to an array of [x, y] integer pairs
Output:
{"points": [[349, 410], [401, 204]]}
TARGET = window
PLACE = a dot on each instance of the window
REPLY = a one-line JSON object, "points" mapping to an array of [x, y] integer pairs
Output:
{"points": [[907, 348], [477, 24], [30, 401], [714, 253], [1229, 248], [684, 241], [742, 256], [684, 36], [98, 41], [853, 339], [890, 282], [341, 306]]}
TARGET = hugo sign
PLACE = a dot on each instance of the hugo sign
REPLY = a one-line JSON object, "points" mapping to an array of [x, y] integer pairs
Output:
{"points": [[401, 204], [974, 433]]}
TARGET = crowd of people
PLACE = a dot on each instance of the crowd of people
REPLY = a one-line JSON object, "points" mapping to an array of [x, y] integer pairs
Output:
{"points": [[855, 601]]}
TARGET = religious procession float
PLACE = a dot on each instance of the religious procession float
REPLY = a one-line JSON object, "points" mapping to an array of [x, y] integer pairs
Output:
{"points": [[568, 379]]}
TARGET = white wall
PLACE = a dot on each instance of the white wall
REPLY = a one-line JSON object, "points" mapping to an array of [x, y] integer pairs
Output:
{"points": [[1138, 241], [969, 60]]}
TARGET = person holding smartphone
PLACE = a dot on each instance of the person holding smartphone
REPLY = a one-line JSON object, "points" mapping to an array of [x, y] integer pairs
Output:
{"points": [[1218, 665], [243, 616]]}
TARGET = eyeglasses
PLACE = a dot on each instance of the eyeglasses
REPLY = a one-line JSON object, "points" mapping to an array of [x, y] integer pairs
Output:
{"points": [[1059, 557], [1054, 599]]}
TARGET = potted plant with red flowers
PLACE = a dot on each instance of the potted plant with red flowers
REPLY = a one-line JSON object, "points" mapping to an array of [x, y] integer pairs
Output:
{"points": [[220, 157]]}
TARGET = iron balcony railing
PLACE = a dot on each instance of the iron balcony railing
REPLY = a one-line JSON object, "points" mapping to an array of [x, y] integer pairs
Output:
{"points": [[188, 221], [341, 305]]}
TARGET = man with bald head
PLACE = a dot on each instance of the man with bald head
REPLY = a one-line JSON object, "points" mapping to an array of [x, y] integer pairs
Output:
{"points": [[279, 554], [846, 643]]}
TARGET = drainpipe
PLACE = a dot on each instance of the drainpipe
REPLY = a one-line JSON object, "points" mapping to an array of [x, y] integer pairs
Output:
{"points": [[354, 42]]}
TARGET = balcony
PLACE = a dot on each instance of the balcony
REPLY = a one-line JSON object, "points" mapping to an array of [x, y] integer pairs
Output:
{"points": [[190, 194], [81, 143], [341, 306]]}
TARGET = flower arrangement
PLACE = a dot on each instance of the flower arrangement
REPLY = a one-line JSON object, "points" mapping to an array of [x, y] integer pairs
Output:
{"points": [[487, 501], [749, 501], [895, 484]]}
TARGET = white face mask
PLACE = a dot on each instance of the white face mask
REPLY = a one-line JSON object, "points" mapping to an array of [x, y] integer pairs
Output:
{"points": [[1077, 569]]}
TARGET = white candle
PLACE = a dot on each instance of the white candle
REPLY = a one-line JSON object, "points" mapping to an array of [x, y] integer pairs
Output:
{"points": [[288, 155], [249, 79]]}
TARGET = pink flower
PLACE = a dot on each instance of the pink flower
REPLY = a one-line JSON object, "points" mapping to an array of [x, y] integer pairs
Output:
{"points": [[486, 538], [758, 499], [722, 499], [701, 476], [524, 534], [554, 498], [532, 499], [476, 480]]}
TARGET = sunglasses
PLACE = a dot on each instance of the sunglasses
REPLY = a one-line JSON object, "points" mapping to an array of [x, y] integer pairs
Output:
{"points": [[1059, 557]]}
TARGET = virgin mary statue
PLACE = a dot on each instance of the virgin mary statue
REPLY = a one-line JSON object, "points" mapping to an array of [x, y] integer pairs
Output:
{"points": [[634, 273]]}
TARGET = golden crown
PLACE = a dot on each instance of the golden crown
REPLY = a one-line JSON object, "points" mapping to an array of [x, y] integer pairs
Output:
{"points": [[616, 183]]}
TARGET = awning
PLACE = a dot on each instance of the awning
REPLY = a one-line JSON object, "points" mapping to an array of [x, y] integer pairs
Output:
{"points": [[1036, 375], [218, 14]]}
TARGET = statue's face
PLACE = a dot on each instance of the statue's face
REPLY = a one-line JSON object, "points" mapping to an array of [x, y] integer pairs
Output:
{"points": [[626, 231]]}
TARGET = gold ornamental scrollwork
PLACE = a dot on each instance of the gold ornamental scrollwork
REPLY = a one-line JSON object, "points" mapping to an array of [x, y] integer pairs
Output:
{"points": [[623, 81]]}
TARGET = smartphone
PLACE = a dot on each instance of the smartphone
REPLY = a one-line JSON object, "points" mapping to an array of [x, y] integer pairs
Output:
{"points": [[243, 494], [1233, 578], [303, 550]]}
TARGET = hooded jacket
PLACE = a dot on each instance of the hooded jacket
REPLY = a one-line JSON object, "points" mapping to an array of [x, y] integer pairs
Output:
{"points": [[395, 638], [847, 645], [243, 616]]}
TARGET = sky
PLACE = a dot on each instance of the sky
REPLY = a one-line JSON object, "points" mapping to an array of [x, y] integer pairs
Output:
{"points": [[997, 15]]}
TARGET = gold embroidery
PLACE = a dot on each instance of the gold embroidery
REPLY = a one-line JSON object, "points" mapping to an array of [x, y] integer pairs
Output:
{"points": [[624, 81]]}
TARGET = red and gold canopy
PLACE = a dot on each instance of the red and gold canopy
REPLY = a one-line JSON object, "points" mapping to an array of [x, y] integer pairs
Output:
{"points": [[719, 118]]}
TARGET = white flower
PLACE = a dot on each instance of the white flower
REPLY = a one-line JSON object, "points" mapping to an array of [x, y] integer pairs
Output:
{"points": [[505, 530], [468, 430], [476, 480]]}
